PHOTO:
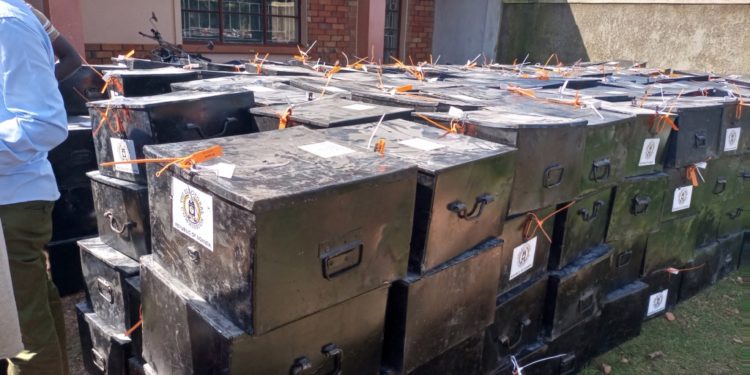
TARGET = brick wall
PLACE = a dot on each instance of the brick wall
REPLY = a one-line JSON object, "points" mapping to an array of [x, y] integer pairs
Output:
{"points": [[103, 53], [419, 25], [333, 23]]}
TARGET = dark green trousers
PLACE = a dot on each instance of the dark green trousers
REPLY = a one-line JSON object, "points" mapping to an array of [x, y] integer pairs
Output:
{"points": [[28, 227]]}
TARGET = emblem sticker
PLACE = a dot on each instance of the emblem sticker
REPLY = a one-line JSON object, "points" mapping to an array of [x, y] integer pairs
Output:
{"points": [[523, 258], [657, 302], [123, 150], [648, 153], [732, 140], [682, 198], [193, 213]]}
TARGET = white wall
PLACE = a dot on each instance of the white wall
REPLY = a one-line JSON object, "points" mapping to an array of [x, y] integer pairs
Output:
{"points": [[466, 28]]}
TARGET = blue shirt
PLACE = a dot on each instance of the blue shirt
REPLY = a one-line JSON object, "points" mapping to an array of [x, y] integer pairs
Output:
{"points": [[32, 114]]}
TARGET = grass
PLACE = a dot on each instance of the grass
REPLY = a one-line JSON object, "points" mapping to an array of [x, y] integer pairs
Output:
{"points": [[706, 338]]}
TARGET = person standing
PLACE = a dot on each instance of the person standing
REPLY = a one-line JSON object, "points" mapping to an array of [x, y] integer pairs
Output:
{"points": [[32, 122], [69, 59]]}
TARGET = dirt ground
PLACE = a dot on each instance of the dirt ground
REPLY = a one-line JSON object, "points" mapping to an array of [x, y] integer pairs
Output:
{"points": [[71, 331]]}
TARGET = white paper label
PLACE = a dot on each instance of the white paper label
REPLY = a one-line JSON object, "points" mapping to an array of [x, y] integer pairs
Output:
{"points": [[702, 165], [657, 302], [421, 144], [359, 107], [648, 153], [523, 258], [682, 198], [455, 112], [193, 213], [123, 150], [223, 170], [732, 140], [326, 149]]}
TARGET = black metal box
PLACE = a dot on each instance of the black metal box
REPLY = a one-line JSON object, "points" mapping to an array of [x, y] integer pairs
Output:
{"points": [[83, 85], [702, 271], [183, 334], [580, 227], [122, 214], [518, 322], [133, 296], [622, 316], [303, 218], [550, 152], [527, 247], [575, 292], [104, 350], [73, 215], [627, 260], [463, 359], [637, 206], [463, 185], [731, 251], [452, 302], [125, 125], [105, 271], [683, 197], [146, 82], [325, 113], [75, 156], [672, 245], [662, 293]]}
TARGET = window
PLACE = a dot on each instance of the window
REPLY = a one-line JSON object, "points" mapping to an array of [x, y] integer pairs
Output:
{"points": [[241, 21], [392, 23]]}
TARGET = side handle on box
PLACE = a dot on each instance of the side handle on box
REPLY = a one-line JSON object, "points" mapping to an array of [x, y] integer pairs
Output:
{"points": [[600, 170], [721, 186], [225, 129], [639, 205], [553, 176], [100, 361], [460, 209], [505, 339], [104, 288], [700, 140], [334, 352], [593, 214], [115, 225], [734, 215], [300, 365], [340, 259]]}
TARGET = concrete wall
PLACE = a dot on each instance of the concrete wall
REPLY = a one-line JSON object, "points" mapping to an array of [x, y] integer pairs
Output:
{"points": [[703, 35], [118, 21], [466, 28]]}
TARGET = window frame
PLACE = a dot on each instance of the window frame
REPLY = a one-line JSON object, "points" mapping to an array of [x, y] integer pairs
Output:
{"points": [[399, 29], [264, 14]]}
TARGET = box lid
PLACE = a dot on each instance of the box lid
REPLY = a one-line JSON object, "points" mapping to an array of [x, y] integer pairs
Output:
{"points": [[333, 112], [146, 102]]}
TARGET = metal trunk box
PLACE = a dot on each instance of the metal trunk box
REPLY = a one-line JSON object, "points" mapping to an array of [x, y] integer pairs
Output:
{"points": [[575, 348], [122, 214], [326, 113], [65, 266], [463, 359], [463, 186], [645, 139], [622, 316], [83, 85], [73, 215], [575, 292], [146, 82], [637, 206], [731, 250], [698, 138], [76, 155], [302, 218], [104, 351], [627, 260], [580, 227], [550, 152], [662, 293], [105, 271], [343, 339], [125, 125], [518, 322], [452, 302], [527, 248], [703, 271], [672, 245], [133, 296]]}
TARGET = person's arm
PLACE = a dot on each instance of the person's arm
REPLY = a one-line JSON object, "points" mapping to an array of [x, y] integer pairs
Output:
{"points": [[69, 58], [29, 90]]}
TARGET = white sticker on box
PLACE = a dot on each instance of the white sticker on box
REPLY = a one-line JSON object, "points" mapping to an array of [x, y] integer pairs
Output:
{"points": [[421, 144], [523, 258], [123, 150], [223, 170], [193, 213], [682, 197], [359, 107], [455, 112], [657, 302], [732, 141], [648, 153], [326, 149]]}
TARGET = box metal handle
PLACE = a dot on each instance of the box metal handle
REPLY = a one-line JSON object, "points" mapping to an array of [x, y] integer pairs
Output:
{"points": [[734, 215], [115, 225], [300, 365], [223, 132], [700, 139], [640, 205], [553, 176], [721, 186], [194, 254], [459, 208], [586, 303], [591, 215], [104, 288], [624, 258], [332, 351], [341, 259], [505, 339], [100, 361], [600, 170]]}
